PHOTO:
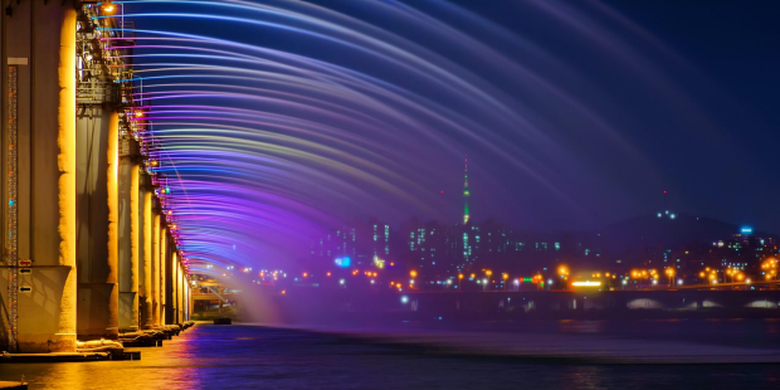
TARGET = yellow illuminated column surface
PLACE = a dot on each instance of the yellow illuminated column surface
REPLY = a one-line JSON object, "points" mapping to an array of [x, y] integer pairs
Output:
{"points": [[146, 268], [135, 233], [45, 213], [156, 271], [65, 338], [163, 273], [112, 327]]}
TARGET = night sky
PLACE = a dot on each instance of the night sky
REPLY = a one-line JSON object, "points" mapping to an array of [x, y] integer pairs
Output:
{"points": [[709, 138], [574, 115], [729, 169]]}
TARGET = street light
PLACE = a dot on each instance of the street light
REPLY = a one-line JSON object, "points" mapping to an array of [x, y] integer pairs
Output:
{"points": [[563, 271], [505, 276], [460, 277], [670, 273]]}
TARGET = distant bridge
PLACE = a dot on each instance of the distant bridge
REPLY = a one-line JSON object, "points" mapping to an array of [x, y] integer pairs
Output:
{"points": [[316, 302]]}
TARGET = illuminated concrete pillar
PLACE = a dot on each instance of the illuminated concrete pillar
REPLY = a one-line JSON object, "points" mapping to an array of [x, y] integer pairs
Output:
{"points": [[155, 283], [186, 299], [146, 296], [38, 109], [97, 145], [165, 273], [129, 225], [180, 294], [190, 302], [174, 289]]}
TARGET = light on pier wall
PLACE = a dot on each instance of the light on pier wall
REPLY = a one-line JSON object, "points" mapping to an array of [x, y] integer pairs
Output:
{"points": [[66, 164]]}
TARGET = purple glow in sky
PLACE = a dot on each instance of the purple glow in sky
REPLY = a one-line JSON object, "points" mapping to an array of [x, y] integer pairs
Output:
{"points": [[275, 120]]}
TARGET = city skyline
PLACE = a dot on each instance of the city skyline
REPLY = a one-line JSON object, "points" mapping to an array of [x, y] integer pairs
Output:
{"points": [[389, 194]]}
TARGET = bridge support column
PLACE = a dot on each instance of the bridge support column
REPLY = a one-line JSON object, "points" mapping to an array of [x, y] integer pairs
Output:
{"points": [[98, 215], [156, 270], [177, 289], [129, 215], [172, 305], [177, 282], [146, 298], [190, 302], [38, 116], [182, 292], [164, 273], [187, 300]]}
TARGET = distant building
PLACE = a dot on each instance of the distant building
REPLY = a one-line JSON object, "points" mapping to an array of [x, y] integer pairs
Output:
{"points": [[362, 241], [466, 193]]}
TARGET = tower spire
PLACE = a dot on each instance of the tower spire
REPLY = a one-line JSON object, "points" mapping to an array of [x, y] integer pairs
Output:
{"points": [[466, 190]]}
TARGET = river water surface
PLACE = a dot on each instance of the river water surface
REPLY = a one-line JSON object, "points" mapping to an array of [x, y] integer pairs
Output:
{"points": [[247, 357]]}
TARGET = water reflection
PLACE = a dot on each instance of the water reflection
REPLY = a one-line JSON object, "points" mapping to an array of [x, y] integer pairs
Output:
{"points": [[586, 377], [569, 326], [168, 367], [242, 357]]}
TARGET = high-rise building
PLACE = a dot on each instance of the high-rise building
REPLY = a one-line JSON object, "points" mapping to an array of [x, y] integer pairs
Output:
{"points": [[466, 194], [362, 241]]}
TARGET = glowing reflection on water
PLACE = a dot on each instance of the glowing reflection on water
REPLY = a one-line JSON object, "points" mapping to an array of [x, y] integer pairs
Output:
{"points": [[245, 357], [168, 367]]}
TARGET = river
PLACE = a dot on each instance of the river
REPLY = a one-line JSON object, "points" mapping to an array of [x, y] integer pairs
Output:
{"points": [[249, 356]]}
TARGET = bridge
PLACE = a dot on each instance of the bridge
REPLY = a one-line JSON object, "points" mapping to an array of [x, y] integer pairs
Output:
{"points": [[310, 305], [89, 249]]}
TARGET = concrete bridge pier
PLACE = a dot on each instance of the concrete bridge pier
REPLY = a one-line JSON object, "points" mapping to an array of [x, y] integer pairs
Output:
{"points": [[183, 292], [155, 282], [146, 295], [170, 281], [164, 273], [38, 158], [129, 238], [97, 218], [179, 286], [174, 284], [175, 288], [187, 300]]}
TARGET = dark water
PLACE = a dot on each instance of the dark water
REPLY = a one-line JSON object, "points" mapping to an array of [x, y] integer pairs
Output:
{"points": [[247, 357]]}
